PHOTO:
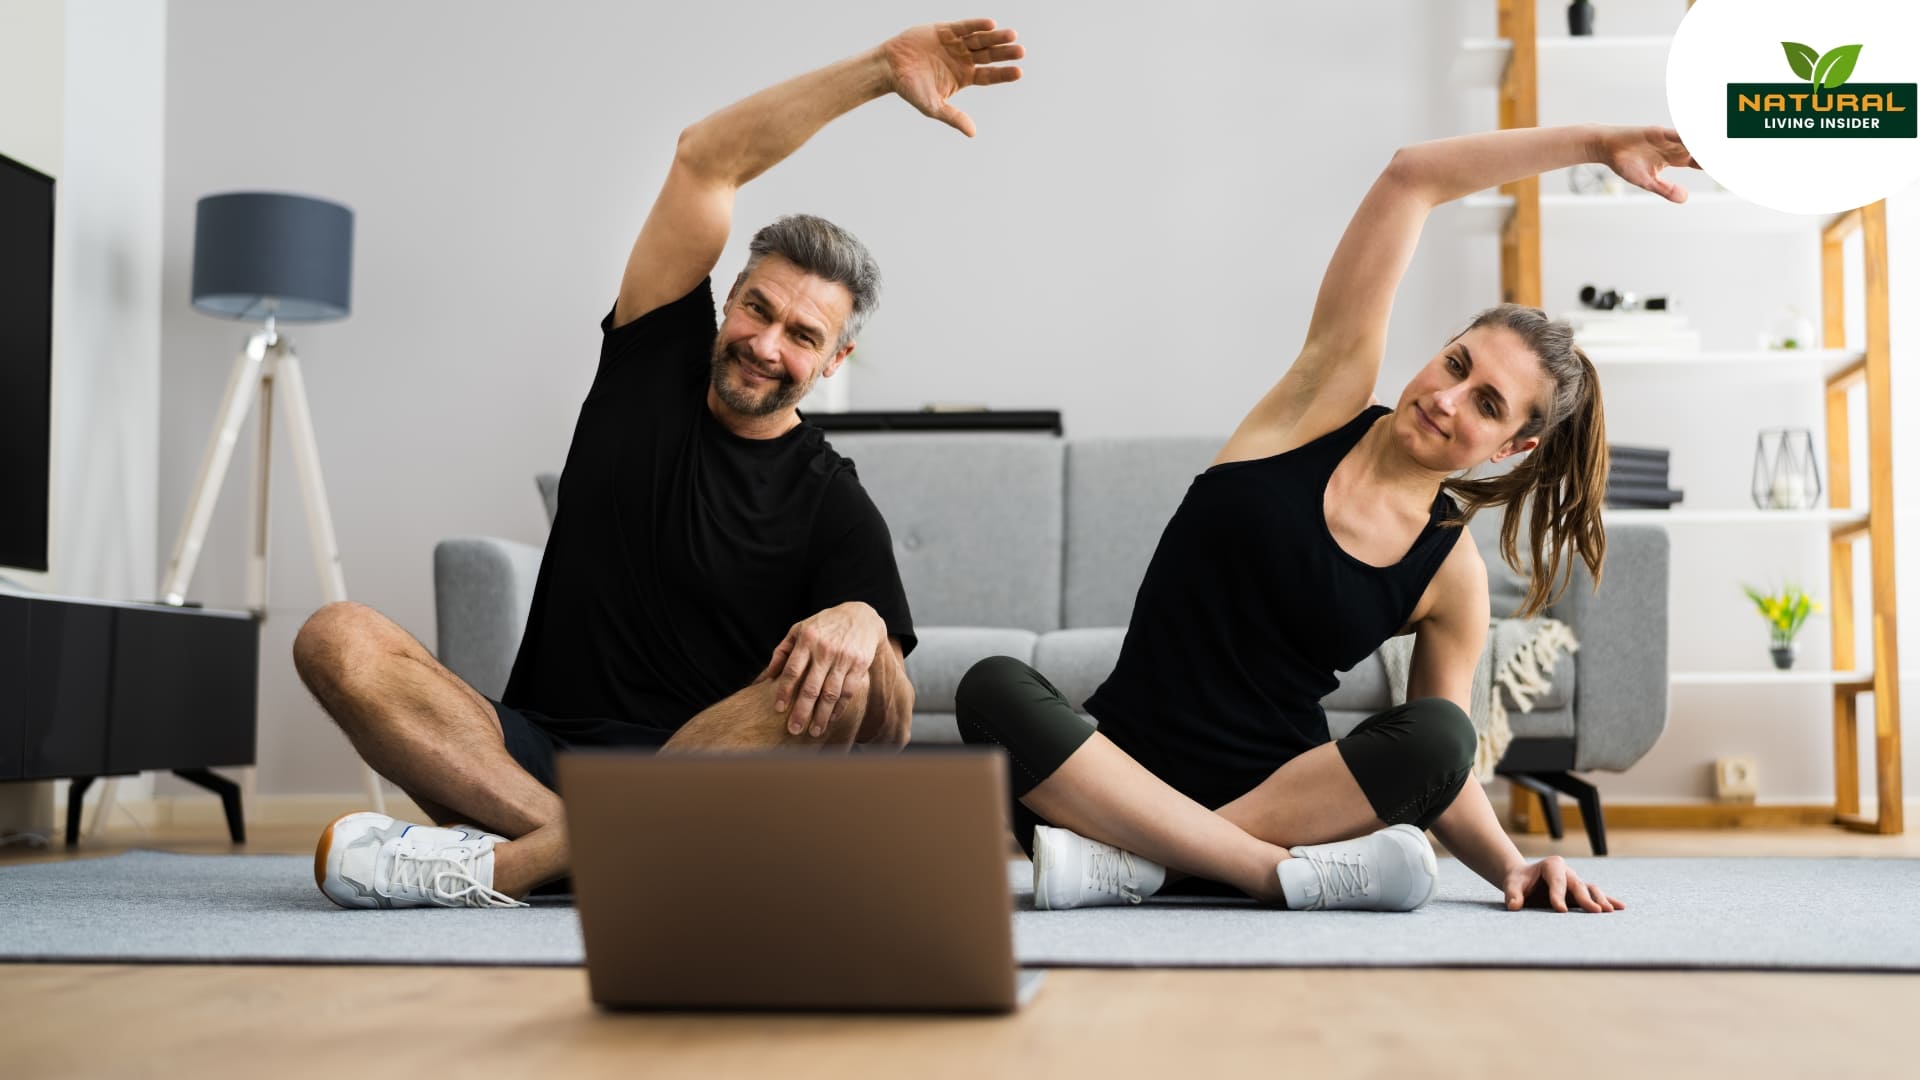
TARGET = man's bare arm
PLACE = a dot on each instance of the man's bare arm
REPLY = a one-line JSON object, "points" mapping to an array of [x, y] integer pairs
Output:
{"points": [[688, 225]]}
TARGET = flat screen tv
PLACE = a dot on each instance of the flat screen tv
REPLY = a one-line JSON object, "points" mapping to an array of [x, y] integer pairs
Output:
{"points": [[26, 362]]}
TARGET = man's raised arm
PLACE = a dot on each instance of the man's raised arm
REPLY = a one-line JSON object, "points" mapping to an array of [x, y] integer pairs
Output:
{"points": [[687, 228]]}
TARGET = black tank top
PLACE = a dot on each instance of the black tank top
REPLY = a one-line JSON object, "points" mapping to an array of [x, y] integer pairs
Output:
{"points": [[1248, 607]]}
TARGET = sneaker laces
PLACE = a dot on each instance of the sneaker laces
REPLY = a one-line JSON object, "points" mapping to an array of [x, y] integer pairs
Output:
{"points": [[1342, 874], [435, 877], [1113, 871]]}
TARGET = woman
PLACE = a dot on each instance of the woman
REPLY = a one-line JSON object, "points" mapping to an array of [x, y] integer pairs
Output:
{"points": [[1328, 523]]}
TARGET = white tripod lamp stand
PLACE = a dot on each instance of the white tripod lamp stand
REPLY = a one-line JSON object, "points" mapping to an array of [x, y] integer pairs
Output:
{"points": [[266, 257]]}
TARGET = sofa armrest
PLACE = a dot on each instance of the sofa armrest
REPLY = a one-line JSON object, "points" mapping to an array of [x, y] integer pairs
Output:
{"points": [[1620, 694], [482, 591]]}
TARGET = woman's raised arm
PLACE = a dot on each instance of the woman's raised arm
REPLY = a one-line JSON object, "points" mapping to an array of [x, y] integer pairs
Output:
{"points": [[1334, 375]]}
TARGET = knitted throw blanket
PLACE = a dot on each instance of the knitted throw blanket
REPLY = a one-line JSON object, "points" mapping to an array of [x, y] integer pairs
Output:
{"points": [[1519, 657]]}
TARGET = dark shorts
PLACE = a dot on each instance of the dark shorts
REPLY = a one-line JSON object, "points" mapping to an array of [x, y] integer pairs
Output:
{"points": [[533, 738]]}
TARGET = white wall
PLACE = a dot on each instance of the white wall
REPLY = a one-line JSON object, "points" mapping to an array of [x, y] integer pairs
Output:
{"points": [[81, 91], [1135, 238], [107, 429]]}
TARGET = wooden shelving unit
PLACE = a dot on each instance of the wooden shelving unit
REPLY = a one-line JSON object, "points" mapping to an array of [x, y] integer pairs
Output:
{"points": [[1520, 213]]}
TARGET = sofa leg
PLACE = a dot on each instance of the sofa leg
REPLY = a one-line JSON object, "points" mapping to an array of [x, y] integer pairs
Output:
{"points": [[1549, 801], [1588, 797]]}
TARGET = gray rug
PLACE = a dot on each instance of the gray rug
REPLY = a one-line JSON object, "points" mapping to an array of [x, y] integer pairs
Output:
{"points": [[1794, 914]]}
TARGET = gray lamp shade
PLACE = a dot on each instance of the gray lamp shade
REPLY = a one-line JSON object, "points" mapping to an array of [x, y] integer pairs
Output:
{"points": [[257, 254]]}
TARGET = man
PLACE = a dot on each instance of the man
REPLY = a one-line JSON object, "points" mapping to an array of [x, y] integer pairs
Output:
{"points": [[707, 538]]}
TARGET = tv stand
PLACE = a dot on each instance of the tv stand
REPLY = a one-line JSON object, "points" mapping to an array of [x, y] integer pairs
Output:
{"points": [[92, 688]]}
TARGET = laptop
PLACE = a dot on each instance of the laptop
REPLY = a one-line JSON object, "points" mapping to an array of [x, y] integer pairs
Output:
{"points": [[868, 882]]}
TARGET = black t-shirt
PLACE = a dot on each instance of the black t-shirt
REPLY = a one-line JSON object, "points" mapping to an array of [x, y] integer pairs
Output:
{"points": [[680, 552], [1247, 609]]}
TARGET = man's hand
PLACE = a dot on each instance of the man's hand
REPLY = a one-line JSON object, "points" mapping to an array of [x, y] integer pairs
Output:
{"points": [[929, 64], [1549, 883], [821, 666], [1638, 155]]}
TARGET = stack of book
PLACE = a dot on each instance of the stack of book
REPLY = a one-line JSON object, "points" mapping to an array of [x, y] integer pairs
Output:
{"points": [[1637, 479], [1614, 331]]}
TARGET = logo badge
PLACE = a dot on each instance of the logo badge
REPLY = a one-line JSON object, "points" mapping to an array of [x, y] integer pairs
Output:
{"points": [[1729, 92]]}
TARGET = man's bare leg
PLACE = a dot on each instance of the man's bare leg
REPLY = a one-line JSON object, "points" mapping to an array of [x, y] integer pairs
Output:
{"points": [[744, 722], [437, 738], [417, 723], [421, 727], [747, 721]]}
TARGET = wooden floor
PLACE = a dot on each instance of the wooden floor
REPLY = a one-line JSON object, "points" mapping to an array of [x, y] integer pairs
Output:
{"points": [[88, 1020]]}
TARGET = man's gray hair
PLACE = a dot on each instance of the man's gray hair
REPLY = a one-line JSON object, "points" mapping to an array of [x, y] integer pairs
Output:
{"points": [[825, 250]]}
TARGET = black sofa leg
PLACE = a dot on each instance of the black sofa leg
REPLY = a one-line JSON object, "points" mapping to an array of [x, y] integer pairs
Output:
{"points": [[1588, 797], [1549, 801], [229, 793], [76, 794]]}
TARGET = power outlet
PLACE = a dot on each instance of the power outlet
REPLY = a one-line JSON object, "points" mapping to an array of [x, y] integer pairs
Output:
{"points": [[1736, 779]]}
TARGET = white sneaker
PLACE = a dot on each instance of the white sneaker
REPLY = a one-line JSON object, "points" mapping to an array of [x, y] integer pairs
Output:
{"points": [[1071, 871], [369, 860], [1391, 870]]}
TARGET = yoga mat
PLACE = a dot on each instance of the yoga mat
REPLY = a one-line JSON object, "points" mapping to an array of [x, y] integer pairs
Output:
{"points": [[1744, 913]]}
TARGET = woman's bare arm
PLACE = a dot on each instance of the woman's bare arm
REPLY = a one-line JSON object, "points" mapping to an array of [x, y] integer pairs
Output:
{"points": [[1334, 375]]}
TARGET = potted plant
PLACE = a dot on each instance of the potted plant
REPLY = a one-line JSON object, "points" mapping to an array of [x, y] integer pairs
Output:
{"points": [[1786, 612]]}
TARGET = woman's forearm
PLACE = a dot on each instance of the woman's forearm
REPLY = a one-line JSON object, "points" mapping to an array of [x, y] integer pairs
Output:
{"points": [[1472, 833], [1446, 169]]}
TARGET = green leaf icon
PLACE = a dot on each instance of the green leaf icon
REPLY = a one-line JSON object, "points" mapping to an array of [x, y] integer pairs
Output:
{"points": [[1801, 57], [1833, 68]]}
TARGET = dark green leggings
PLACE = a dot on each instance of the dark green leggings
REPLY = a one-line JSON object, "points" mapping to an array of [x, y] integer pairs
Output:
{"points": [[1410, 760]]}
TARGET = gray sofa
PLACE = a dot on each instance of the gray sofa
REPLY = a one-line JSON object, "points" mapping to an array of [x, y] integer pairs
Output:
{"points": [[1033, 546]]}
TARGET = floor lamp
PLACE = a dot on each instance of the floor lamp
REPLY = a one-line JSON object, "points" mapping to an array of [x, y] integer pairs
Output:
{"points": [[265, 257]]}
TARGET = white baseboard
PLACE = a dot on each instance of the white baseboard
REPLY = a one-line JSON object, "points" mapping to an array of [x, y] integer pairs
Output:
{"points": [[198, 811]]}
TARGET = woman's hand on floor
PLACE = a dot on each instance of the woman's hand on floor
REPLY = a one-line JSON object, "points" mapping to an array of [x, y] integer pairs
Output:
{"points": [[1552, 883]]}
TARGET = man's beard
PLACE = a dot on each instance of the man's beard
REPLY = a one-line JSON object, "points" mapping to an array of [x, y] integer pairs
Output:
{"points": [[776, 397]]}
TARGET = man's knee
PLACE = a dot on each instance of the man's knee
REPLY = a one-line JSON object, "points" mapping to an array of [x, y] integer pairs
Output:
{"points": [[748, 719], [324, 649]]}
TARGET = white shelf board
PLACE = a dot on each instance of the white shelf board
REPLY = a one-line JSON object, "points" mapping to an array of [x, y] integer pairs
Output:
{"points": [[1767, 678], [1821, 516], [1637, 211], [1482, 62], [1767, 363]]}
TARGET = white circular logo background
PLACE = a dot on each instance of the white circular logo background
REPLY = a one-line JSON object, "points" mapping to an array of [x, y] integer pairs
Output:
{"points": [[1740, 41]]}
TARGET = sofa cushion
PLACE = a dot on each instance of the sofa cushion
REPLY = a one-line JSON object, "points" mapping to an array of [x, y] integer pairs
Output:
{"points": [[1542, 723], [1078, 661], [1363, 692], [1363, 689], [946, 652], [976, 523], [1120, 494], [549, 485], [935, 729], [1506, 589]]}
